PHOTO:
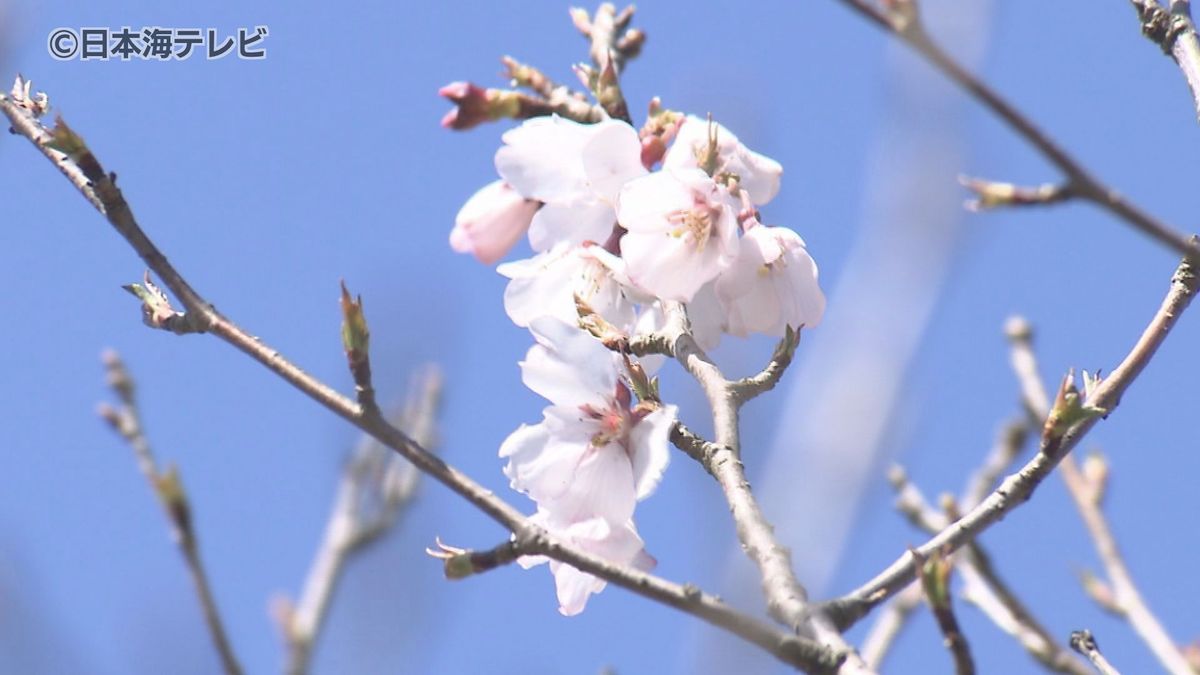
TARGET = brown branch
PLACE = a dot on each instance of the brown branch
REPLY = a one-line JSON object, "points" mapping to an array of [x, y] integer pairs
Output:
{"points": [[168, 489], [557, 98], [612, 43], [787, 600], [905, 24], [1084, 642], [1018, 488], [1175, 33], [990, 194], [81, 167], [694, 445], [935, 581], [1126, 598], [374, 489], [756, 385]]}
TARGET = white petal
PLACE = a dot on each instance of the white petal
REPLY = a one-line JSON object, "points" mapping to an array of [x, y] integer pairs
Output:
{"points": [[758, 174], [568, 366], [542, 159], [576, 221], [541, 464], [650, 449], [574, 588], [611, 158], [662, 255], [772, 284], [602, 486], [707, 316], [491, 221]]}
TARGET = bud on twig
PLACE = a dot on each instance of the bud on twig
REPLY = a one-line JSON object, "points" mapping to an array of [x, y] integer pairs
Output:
{"points": [[157, 311], [356, 340], [1101, 593], [1069, 408], [991, 194]]}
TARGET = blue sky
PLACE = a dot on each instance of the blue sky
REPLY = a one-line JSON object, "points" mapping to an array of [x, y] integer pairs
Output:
{"points": [[265, 182]]}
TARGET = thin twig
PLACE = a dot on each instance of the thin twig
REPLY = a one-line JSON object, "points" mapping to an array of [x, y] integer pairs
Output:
{"points": [[789, 648], [888, 625], [1175, 33], [98, 188], [1126, 596], [1017, 488], [694, 445], [612, 42], [935, 581], [983, 585], [168, 489], [907, 26], [373, 492], [756, 385], [1084, 642], [1009, 441]]}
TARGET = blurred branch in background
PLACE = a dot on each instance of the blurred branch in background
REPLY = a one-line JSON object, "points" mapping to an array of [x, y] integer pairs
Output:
{"points": [[889, 624], [903, 19], [375, 487], [982, 584], [1074, 414], [1086, 485], [168, 489], [840, 404], [935, 581], [1084, 642]]}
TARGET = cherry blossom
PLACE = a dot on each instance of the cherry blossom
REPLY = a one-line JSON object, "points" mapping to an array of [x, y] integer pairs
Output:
{"points": [[491, 222], [592, 454], [575, 169], [617, 543], [771, 285], [757, 174], [682, 231], [547, 284]]}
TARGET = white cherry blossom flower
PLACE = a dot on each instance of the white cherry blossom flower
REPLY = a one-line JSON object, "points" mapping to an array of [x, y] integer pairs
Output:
{"points": [[491, 222], [593, 455], [546, 285], [618, 543], [757, 174], [772, 285], [681, 231], [576, 169]]}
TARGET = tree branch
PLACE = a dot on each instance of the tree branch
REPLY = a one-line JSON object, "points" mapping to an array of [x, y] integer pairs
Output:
{"points": [[168, 489], [935, 581], [1017, 488], [1086, 495], [1175, 33], [99, 188], [983, 585], [787, 600], [374, 490], [888, 625], [1083, 642], [905, 23]]}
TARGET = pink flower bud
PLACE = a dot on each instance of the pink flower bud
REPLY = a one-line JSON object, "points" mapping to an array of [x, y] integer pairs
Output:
{"points": [[471, 105]]}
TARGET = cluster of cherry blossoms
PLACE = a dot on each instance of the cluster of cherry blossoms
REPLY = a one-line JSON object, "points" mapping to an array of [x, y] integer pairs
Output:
{"points": [[615, 237]]}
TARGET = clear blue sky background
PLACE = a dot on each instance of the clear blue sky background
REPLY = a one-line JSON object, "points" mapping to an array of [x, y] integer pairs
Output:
{"points": [[266, 182]]}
